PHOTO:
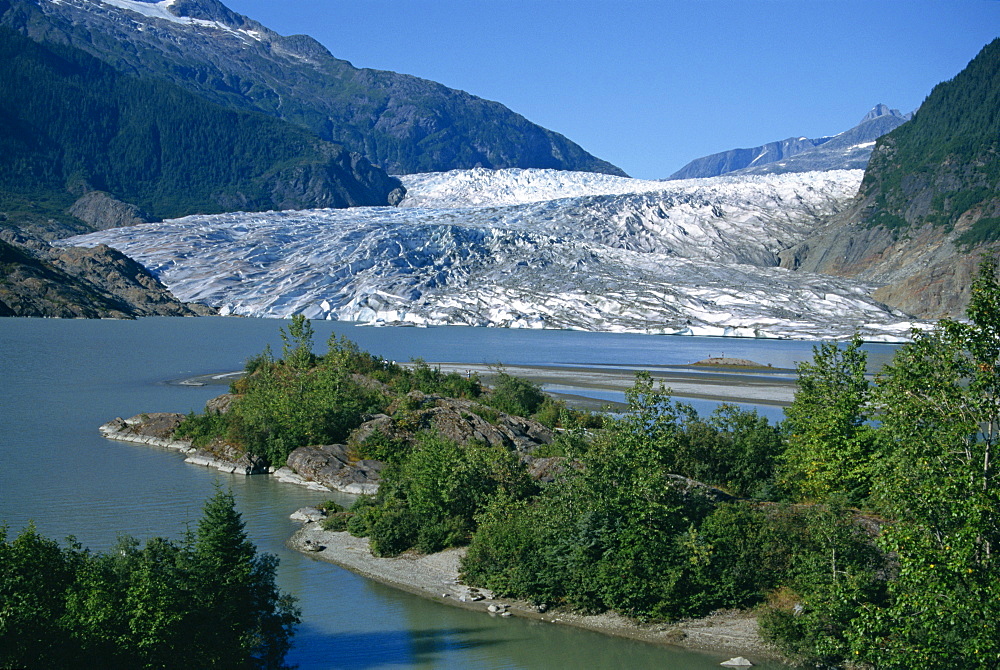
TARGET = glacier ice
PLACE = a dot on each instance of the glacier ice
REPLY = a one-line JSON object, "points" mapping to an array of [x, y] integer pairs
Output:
{"points": [[531, 249]]}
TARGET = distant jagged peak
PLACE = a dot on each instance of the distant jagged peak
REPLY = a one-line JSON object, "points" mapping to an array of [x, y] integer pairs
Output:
{"points": [[882, 110]]}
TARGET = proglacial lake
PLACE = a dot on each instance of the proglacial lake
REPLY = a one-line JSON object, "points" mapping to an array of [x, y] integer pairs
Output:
{"points": [[61, 379]]}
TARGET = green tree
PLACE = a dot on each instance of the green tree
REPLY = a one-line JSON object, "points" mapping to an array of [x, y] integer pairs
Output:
{"points": [[34, 576], [245, 622], [210, 602], [514, 395], [830, 442], [940, 412], [297, 343]]}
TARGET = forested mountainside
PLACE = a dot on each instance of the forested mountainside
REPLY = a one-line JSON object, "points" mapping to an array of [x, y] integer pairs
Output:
{"points": [[929, 204], [402, 123], [74, 124], [848, 150], [85, 147]]}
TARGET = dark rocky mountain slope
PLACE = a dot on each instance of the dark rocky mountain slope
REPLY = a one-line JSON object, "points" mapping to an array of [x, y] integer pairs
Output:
{"points": [[929, 204], [43, 281], [84, 147], [403, 123]]}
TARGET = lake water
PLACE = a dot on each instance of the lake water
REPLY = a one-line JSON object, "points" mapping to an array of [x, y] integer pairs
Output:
{"points": [[61, 379]]}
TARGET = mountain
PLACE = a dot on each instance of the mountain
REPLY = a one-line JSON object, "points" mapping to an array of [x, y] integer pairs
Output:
{"points": [[73, 125], [85, 147], [402, 123], [929, 205], [531, 249], [848, 150]]}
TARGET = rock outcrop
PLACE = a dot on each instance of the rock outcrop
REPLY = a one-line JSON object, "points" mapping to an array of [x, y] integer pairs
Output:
{"points": [[37, 279], [100, 211], [928, 207], [339, 467], [333, 466], [921, 272], [157, 429], [461, 421]]}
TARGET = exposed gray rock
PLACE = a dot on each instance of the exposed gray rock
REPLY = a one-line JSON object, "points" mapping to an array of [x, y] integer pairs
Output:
{"points": [[37, 279], [461, 421], [220, 404], [101, 211], [546, 470], [157, 429], [332, 466], [689, 486], [153, 428], [307, 514]]}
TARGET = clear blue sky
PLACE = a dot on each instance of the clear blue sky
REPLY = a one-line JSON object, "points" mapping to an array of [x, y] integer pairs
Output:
{"points": [[651, 84]]}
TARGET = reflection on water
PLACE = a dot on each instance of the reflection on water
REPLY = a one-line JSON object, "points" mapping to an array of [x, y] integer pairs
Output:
{"points": [[62, 379]]}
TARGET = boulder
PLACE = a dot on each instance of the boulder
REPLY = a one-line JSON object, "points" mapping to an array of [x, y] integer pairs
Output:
{"points": [[333, 466], [220, 404], [307, 515]]}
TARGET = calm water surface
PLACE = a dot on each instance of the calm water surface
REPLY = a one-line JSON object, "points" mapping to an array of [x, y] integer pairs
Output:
{"points": [[61, 379]]}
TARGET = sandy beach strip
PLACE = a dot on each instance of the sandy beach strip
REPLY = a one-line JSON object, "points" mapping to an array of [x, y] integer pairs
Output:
{"points": [[436, 576], [777, 388]]}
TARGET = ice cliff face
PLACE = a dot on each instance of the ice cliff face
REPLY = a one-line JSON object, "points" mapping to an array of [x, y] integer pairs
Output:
{"points": [[530, 249]]}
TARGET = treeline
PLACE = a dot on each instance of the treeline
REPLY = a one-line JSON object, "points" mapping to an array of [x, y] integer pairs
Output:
{"points": [[208, 601], [73, 123], [864, 528]]}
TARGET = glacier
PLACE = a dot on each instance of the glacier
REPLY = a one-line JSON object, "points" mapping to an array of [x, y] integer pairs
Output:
{"points": [[531, 248]]}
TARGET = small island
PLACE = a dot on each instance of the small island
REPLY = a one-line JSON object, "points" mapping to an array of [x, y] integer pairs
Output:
{"points": [[732, 363]]}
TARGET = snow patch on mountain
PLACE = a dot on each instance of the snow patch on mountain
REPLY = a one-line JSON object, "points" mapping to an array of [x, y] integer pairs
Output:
{"points": [[530, 249], [161, 10]]}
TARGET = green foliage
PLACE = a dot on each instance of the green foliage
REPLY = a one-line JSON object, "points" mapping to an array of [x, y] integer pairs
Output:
{"points": [[201, 429], [621, 531], [380, 447], [209, 602], [514, 395], [337, 521], [35, 574], [430, 497], [945, 154], [830, 443], [940, 417], [297, 400], [297, 343], [983, 231], [934, 603]]}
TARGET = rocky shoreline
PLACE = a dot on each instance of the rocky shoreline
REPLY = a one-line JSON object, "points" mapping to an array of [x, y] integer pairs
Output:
{"points": [[156, 429], [436, 576]]}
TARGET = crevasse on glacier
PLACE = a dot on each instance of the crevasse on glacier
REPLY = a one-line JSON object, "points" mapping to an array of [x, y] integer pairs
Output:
{"points": [[530, 249]]}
